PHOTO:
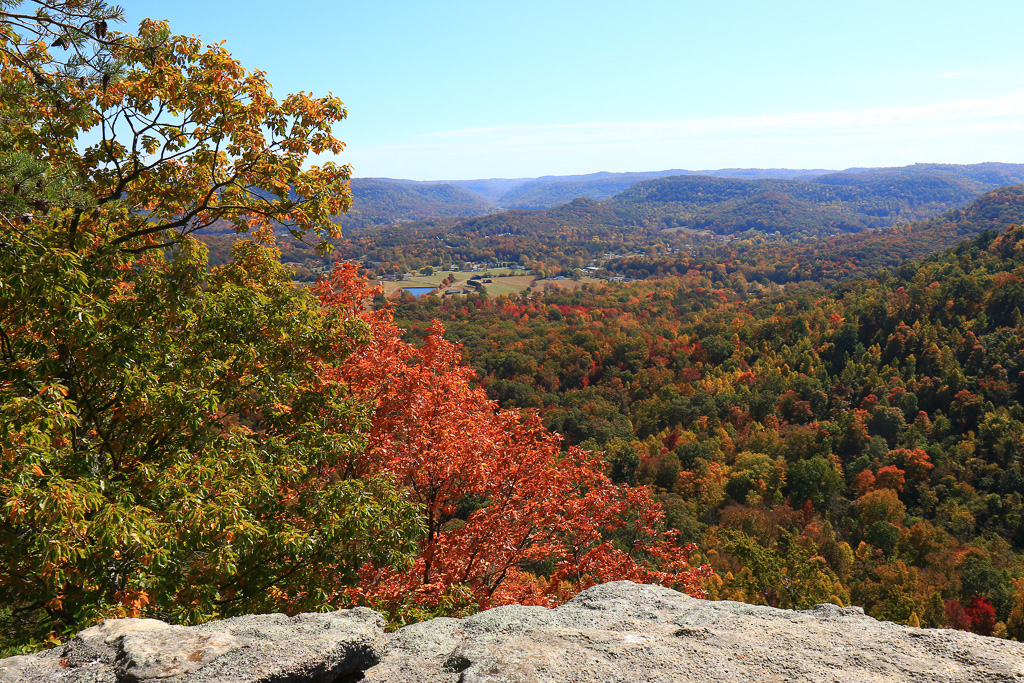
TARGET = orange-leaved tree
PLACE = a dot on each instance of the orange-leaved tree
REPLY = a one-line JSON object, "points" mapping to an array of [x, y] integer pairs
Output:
{"points": [[510, 516]]}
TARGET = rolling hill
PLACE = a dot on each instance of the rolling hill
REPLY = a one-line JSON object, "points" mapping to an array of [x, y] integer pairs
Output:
{"points": [[724, 200], [551, 191], [834, 203], [381, 201]]}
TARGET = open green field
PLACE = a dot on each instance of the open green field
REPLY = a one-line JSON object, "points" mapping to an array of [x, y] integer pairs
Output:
{"points": [[510, 284], [461, 278]]}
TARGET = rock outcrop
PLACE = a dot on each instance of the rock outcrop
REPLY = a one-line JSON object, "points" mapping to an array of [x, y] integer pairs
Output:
{"points": [[615, 632]]}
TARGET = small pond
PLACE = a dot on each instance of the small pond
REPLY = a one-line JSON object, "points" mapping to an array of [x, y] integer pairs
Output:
{"points": [[418, 291]]}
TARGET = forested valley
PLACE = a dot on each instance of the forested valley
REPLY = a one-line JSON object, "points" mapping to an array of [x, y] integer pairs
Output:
{"points": [[418, 225], [777, 387], [859, 443]]}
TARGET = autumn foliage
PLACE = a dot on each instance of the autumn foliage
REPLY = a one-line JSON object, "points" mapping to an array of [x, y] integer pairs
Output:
{"points": [[195, 443], [509, 515], [858, 443], [163, 426]]}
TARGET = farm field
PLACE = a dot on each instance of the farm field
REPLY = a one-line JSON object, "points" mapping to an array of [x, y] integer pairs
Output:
{"points": [[511, 284], [568, 284], [461, 278]]}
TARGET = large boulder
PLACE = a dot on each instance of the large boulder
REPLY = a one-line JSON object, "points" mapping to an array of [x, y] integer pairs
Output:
{"points": [[615, 632], [622, 631], [250, 649]]}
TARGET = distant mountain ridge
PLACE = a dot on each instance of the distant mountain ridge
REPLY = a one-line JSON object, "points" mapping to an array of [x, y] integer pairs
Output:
{"points": [[830, 204], [550, 191], [885, 195]]}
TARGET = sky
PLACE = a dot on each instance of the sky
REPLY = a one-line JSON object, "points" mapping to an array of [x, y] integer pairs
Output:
{"points": [[488, 89]]}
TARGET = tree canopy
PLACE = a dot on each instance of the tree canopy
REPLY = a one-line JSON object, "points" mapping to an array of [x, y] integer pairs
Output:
{"points": [[168, 436], [192, 442]]}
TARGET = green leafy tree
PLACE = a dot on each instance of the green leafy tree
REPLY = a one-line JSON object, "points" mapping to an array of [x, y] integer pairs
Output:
{"points": [[783, 574], [171, 443], [816, 480]]}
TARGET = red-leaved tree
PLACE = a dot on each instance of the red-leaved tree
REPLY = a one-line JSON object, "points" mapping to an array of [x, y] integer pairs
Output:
{"points": [[982, 614], [510, 517], [956, 616]]}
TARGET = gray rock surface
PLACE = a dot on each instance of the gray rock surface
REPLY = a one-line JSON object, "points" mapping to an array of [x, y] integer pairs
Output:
{"points": [[626, 632], [252, 649], [615, 632]]}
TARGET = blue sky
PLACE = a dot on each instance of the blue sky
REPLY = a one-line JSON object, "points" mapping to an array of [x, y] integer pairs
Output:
{"points": [[458, 90]]}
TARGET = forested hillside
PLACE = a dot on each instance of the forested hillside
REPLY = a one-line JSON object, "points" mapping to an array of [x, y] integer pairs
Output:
{"points": [[544, 193], [377, 201], [847, 202], [862, 444], [547, 192], [683, 213], [384, 202], [975, 176], [883, 193], [830, 259], [585, 232]]}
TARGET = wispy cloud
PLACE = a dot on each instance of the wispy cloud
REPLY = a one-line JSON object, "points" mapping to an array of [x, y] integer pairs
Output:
{"points": [[948, 116], [963, 131], [952, 74]]}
